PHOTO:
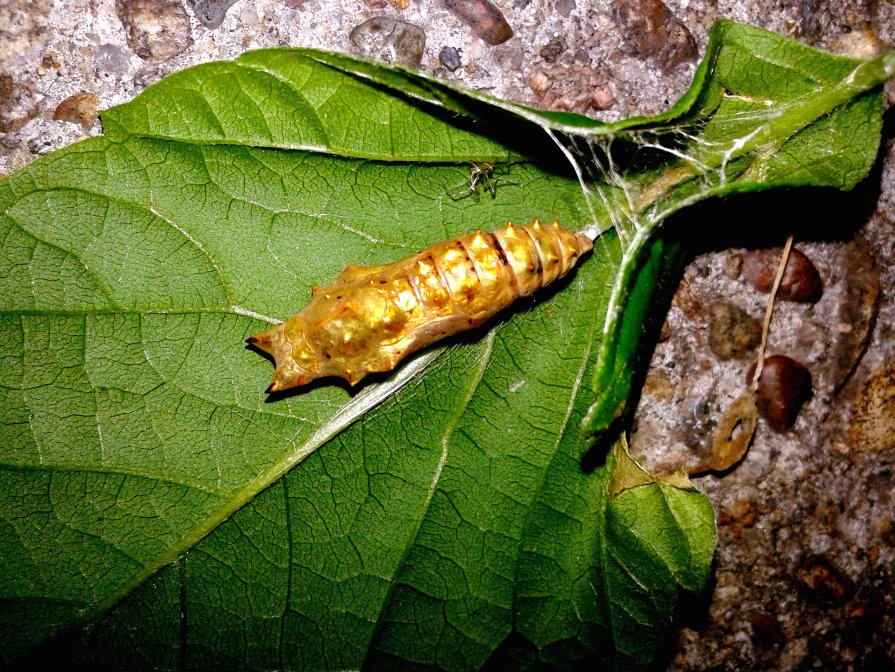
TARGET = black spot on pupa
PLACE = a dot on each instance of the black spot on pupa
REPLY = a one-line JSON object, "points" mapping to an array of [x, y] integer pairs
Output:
{"points": [[501, 255]]}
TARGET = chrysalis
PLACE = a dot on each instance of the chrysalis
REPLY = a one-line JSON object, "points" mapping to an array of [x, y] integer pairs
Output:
{"points": [[371, 317]]}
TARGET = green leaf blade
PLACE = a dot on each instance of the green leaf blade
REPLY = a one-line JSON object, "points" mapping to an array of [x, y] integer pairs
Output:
{"points": [[440, 517], [285, 99]]}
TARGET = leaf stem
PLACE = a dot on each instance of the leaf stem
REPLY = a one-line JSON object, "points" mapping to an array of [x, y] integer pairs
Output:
{"points": [[769, 311]]}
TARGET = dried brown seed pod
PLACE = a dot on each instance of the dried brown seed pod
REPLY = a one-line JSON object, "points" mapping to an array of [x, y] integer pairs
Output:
{"points": [[784, 386], [801, 282]]}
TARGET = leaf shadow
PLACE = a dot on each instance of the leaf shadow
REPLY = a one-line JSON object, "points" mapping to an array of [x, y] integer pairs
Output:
{"points": [[691, 612], [599, 447], [766, 218]]}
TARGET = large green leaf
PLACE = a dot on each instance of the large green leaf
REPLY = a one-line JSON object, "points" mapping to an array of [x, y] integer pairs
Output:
{"points": [[151, 514]]}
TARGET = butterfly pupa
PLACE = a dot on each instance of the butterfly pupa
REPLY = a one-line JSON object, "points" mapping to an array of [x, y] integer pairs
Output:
{"points": [[372, 317]]}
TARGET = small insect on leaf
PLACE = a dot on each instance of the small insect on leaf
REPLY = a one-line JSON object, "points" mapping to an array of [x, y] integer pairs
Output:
{"points": [[482, 177], [371, 317]]}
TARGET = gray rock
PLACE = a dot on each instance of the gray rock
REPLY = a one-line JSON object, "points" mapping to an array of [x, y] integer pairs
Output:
{"points": [[733, 333], [450, 58], [110, 59], [157, 30], [389, 40], [211, 12], [651, 31], [564, 7]]}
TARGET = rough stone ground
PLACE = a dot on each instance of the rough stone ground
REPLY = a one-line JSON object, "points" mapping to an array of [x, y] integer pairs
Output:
{"points": [[806, 555]]}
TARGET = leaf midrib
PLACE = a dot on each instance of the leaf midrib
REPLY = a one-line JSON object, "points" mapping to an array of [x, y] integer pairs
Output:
{"points": [[475, 378], [586, 359]]}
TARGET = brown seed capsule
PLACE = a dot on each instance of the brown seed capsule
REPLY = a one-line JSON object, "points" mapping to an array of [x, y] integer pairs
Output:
{"points": [[782, 389], [371, 317], [801, 282]]}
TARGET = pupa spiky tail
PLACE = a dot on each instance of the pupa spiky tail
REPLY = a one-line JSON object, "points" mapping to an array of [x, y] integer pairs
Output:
{"points": [[371, 317]]}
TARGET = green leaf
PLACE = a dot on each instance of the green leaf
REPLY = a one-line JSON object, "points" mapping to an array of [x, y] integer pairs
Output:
{"points": [[771, 113], [158, 511]]}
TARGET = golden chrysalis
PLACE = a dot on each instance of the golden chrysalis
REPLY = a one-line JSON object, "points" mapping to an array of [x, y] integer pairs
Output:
{"points": [[371, 317]]}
